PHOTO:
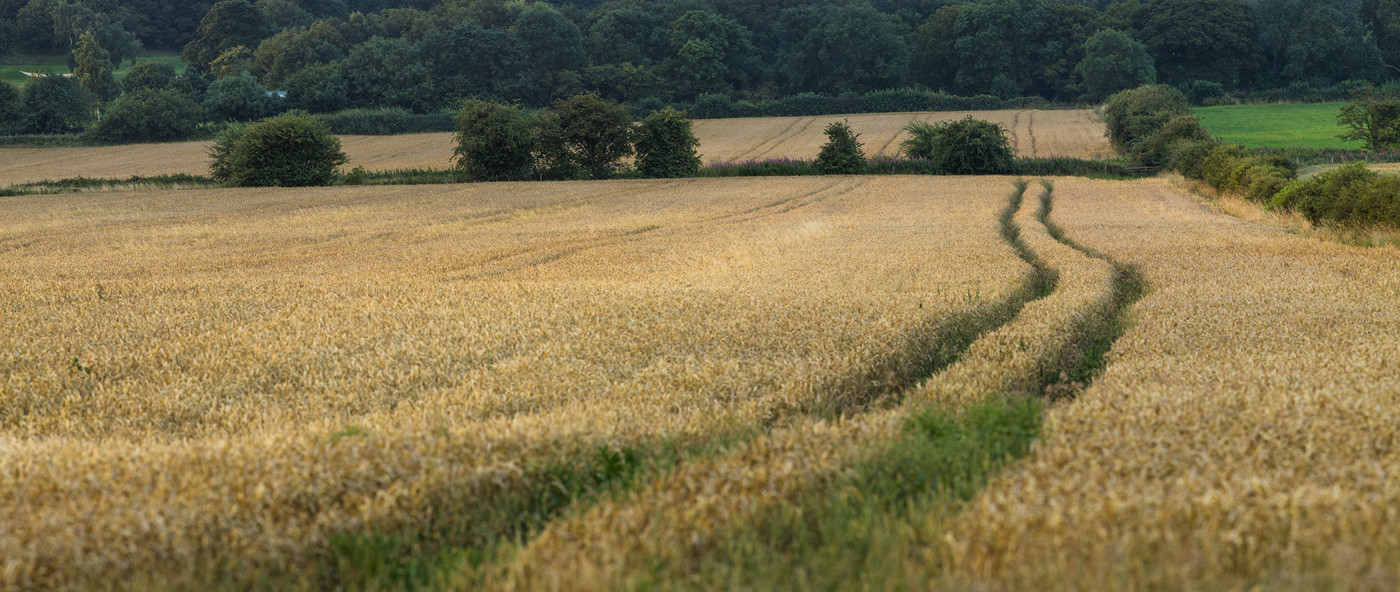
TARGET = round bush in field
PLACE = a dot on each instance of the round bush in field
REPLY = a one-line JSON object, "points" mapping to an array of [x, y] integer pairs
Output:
{"points": [[292, 150], [841, 154], [1135, 114], [666, 145], [966, 147]]}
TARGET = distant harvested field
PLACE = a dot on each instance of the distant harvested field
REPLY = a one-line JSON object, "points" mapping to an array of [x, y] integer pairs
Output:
{"points": [[1076, 133], [236, 377], [1071, 133]]}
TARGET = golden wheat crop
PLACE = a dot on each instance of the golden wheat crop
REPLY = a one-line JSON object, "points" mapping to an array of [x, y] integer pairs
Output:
{"points": [[1071, 133], [675, 520], [1076, 133], [235, 376], [1243, 435]]}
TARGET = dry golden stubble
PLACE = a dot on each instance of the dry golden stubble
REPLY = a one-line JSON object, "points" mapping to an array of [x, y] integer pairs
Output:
{"points": [[675, 520], [238, 375], [1076, 133], [1242, 435]]}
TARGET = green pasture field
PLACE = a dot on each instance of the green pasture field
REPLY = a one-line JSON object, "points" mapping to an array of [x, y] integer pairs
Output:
{"points": [[1278, 125], [13, 66]]}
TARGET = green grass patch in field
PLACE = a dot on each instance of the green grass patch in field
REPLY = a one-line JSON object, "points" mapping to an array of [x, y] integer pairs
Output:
{"points": [[13, 67], [1277, 125]]}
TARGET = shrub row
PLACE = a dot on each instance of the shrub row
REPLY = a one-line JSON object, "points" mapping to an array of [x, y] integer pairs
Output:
{"points": [[386, 121], [1149, 124], [1350, 195]]}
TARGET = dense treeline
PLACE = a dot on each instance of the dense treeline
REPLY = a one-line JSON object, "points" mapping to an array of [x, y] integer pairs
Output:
{"points": [[425, 55]]}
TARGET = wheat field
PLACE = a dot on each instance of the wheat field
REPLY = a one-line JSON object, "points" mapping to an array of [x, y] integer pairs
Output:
{"points": [[239, 375], [1242, 435], [1075, 133]]}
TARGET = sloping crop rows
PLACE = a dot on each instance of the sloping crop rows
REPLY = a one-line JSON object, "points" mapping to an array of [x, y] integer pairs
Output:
{"points": [[219, 383]]}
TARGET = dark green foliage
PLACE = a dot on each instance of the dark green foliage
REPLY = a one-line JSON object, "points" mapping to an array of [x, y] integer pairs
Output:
{"points": [[1189, 158], [1202, 92], [495, 142], [387, 121], [239, 98], [1136, 114], [55, 105], [388, 73], [853, 48], [933, 53], [666, 146], [165, 115], [291, 150], [997, 49], [318, 89], [596, 133], [710, 53], [841, 154], [228, 24], [966, 147], [1156, 149], [552, 41], [148, 76], [284, 54], [221, 151], [93, 67], [1349, 195], [1114, 61], [12, 110], [1198, 39], [1372, 117]]}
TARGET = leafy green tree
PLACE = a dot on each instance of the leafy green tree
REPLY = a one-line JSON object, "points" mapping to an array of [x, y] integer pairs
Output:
{"points": [[933, 52], [552, 41], [1114, 61], [291, 150], [1382, 20], [1198, 39], [318, 89], [148, 76], [966, 147], [221, 151], [1329, 45], [841, 154], [283, 14], [666, 145], [710, 53], [1372, 117], [997, 48], [228, 24], [495, 142], [597, 133], [853, 48], [235, 61], [238, 98], [469, 60], [1067, 28], [283, 54], [162, 115], [9, 35], [1136, 114], [389, 72], [631, 33], [12, 110], [94, 68], [1157, 148], [626, 81], [55, 105]]}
